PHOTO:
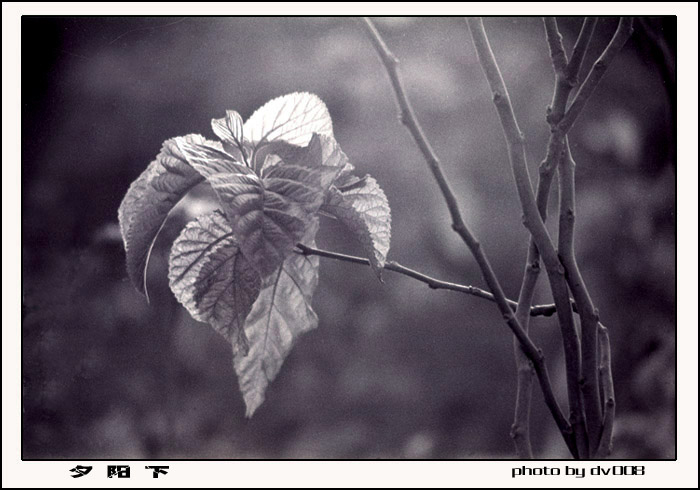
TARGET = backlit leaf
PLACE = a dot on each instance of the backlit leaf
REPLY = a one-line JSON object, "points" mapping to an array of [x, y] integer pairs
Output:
{"points": [[212, 279], [149, 200], [322, 152], [363, 208], [280, 315], [269, 215], [209, 157], [292, 118], [229, 129]]}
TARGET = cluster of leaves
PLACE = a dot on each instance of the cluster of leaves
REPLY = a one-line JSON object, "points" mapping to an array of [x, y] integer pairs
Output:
{"points": [[236, 268]]}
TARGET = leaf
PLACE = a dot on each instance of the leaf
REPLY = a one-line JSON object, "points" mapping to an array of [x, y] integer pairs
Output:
{"points": [[148, 202], [280, 315], [363, 208], [209, 158], [270, 215], [292, 118], [212, 279], [230, 131], [229, 128], [322, 152]]}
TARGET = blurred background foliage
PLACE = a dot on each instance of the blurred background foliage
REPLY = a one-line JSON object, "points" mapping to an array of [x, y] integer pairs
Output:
{"points": [[395, 370]]}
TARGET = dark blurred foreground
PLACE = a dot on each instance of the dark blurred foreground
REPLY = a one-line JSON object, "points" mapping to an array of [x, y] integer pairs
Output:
{"points": [[395, 370]]}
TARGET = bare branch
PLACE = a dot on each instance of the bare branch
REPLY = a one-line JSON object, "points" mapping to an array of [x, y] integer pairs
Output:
{"points": [[562, 90], [565, 80], [408, 118], [535, 225], [622, 34]]}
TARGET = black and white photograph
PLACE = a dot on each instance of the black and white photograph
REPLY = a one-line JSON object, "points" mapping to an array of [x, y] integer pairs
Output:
{"points": [[348, 238]]}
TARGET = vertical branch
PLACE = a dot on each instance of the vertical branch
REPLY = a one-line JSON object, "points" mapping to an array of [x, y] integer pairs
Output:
{"points": [[520, 430], [408, 118], [587, 312], [606, 382], [556, 48], [534, 223]]}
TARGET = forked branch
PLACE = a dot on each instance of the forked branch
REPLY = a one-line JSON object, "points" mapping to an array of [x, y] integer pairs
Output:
{"points": [[408, 118], [622, 34], [534, 223], [566, 79]]}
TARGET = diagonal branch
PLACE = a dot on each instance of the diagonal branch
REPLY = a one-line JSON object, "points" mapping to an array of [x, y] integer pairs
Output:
{"points": [[533, 222], [408, 118]]}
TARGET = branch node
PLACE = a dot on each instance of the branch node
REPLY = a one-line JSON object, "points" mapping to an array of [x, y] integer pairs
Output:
{"points": [[516, 432], [572, 80], [525, 221], [560, 269], [540, 356], [533, 266], [549, 117]]}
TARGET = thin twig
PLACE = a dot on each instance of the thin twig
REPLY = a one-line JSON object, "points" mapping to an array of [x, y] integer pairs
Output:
{"points": [[536, 310], [533, 222], [606, 382], [623, 32], [409, 120]]}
